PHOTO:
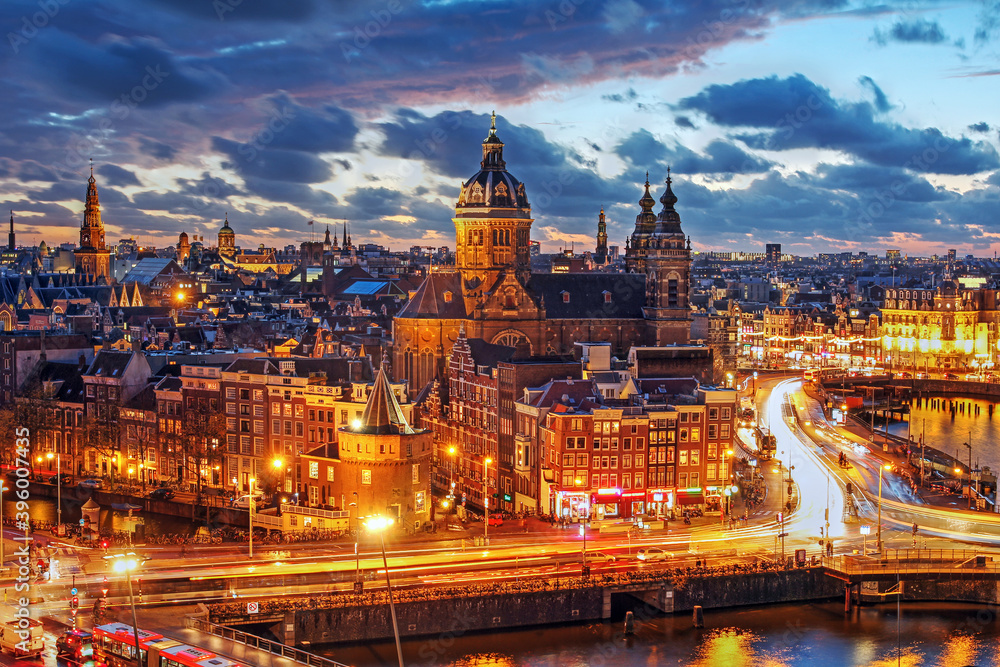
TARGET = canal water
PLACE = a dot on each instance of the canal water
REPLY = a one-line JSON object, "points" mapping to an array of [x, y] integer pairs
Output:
{"points": [[949, 635], [947, 434], [44, 510]]}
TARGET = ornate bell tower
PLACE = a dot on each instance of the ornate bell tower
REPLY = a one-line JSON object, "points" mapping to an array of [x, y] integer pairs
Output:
{"points": [[92, 257], [668, 276], [492, 225]]}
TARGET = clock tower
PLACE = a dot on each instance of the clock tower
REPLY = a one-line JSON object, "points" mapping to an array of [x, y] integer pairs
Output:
{"points": [[92, 257]]}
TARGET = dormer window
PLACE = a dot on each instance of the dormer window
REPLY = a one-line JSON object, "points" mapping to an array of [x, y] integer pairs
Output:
{"points": [[447, 297], [607, 296], [565, 297]]}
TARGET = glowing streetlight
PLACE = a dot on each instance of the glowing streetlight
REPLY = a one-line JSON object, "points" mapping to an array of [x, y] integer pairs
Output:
{"points": [[356, 424], [126, 563], [277, 463], [379, 524], [879, 536], [251, 504], [486, 497]]}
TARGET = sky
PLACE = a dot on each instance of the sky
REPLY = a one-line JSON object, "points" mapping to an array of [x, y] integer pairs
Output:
{"points": [[823, 125]]}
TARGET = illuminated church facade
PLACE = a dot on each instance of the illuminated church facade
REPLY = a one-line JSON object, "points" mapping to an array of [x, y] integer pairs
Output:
{"points": [[492, 293]]}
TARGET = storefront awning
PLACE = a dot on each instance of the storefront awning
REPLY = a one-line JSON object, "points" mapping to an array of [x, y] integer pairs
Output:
{"points": [[690, 497]]}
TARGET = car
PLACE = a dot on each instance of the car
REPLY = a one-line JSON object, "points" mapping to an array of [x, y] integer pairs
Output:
{"points": [[162, 493], [903, 375], [950, 376], [62, 478], [91, 483], [73, 643], [243, 502], [495, 520], [599, 557], [652, 554]]}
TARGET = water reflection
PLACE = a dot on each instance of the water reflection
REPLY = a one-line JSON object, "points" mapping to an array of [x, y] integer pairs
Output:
{"points": [[947, 434], [945, 635]]}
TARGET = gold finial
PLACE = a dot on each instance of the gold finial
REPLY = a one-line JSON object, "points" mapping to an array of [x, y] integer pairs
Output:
{"points": [[493, 120], [647, 178], [668, 174]]}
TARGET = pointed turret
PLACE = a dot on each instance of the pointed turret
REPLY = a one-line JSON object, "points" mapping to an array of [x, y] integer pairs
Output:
{"points": [[10, 235], [382, 414], [668, 222]]}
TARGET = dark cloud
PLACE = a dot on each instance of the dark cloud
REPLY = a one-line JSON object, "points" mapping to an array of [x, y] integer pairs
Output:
{"points": [[981, 127], [242, 10], [684, 121], [911, 30], [255, 160], [642, 149], [114, 175], [32, 171], [124, 74], [295, 127], [156, 149], [880, 100], [794, 112]]}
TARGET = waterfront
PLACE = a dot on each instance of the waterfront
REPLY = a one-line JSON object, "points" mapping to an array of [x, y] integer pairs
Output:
{"points": [[943, 432], [942, 634]]}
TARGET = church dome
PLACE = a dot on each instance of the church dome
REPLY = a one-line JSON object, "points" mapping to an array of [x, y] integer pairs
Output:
{"points": [[182, 239], [493, 186], [226, 229]]}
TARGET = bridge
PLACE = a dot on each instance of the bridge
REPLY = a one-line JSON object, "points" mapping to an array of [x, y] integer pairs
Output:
{"points": [[914, 565]]}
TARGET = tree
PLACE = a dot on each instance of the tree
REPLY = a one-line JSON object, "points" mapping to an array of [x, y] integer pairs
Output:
{"points": [[103, 427], [203, 435], [30, 409]]}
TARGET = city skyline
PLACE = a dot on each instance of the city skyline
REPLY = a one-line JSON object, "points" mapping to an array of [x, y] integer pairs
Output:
{"points": [[871, 137]]}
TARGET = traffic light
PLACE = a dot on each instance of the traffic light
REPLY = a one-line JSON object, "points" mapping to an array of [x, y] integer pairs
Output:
{"points": [[850, 489], [104, 588], [105, 543]]}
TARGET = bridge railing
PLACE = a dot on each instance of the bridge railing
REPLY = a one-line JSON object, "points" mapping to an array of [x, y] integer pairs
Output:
{"points": [[910, 561], [274, 648]]}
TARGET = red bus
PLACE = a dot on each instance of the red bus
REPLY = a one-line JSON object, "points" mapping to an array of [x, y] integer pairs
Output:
{"points": [[114, 646]]}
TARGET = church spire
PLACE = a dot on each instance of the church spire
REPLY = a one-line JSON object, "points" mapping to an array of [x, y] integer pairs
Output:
{"points": [[345, 234], [10, 235], [493, 148], [668, 199]]}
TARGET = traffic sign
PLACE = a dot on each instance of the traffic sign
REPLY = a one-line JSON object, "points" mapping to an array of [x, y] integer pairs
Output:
{"points": [[73, 591], [252, 608]]}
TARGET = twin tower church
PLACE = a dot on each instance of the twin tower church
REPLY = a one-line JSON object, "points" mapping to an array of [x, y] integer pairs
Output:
{"points": [[492, 293]]}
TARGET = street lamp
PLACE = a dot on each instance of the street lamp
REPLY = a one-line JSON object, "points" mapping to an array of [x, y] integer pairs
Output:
{"points": [[879, 535], [486, 497], [583, 531], [126, 563], [58, 489], [278, 465], [2, 558], [379, 524], [452, 450], [251, 504]]}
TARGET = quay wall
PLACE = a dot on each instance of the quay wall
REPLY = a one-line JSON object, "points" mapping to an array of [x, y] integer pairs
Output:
{"points": [[458, 614]]}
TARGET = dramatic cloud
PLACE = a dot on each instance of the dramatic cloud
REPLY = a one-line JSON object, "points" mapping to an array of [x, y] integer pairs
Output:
{"points": [[114, 175], [794, 112]]}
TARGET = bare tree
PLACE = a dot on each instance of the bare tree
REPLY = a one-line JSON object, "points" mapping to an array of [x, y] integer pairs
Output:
{"points": [[202, 436]]}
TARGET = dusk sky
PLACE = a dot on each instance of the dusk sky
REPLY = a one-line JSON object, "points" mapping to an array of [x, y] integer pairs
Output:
{"points": [[824, 126]]}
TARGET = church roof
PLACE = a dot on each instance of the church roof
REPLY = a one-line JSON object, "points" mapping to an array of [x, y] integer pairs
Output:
{"points": [[382, 414], [431, 301], [586, 294]]}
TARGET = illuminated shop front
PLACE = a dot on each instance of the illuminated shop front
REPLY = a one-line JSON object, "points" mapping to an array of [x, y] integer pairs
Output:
{"points": [[573, 505], [691, 497], [609, 504], [659, 502]]}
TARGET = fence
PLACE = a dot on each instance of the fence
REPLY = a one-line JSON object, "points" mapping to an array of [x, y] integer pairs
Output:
{"points": [[915, 561], [274, 648]]}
